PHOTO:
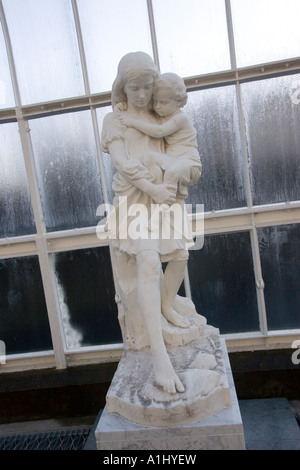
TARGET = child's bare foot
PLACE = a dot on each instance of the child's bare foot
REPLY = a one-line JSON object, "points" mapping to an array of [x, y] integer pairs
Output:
{"points": [[175, 318]]}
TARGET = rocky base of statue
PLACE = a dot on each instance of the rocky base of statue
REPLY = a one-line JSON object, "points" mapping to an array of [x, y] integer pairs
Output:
{"points": [[135, 396]]}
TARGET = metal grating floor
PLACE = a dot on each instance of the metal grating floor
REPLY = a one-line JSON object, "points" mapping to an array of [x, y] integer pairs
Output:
{"points": [[72, 439]]}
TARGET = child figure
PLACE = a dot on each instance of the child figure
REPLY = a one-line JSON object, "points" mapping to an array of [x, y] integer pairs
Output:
{"points": [[181, 162]]}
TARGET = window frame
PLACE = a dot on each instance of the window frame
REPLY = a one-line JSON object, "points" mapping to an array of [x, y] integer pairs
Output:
{"points": [[44, 244]]}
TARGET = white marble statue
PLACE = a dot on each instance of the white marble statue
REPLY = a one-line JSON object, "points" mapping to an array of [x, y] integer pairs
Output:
{"points": [[153, 147], [180, 137]]}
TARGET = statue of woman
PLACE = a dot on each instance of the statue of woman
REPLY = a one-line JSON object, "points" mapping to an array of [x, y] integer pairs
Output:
{"points": [[137, 184]]}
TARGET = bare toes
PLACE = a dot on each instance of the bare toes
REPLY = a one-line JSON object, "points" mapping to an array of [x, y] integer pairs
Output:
{"points": [[179, 386]]}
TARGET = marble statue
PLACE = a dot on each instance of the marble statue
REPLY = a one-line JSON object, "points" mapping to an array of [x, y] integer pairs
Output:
{"points": [[171, 369]]}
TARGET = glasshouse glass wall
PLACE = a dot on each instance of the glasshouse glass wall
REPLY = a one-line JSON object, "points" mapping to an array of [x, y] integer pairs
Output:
{"points": [[240, 60]]}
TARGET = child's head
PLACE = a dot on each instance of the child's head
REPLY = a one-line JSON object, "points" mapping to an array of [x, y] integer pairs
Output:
{"points": [[135, 65], [169, 94]]}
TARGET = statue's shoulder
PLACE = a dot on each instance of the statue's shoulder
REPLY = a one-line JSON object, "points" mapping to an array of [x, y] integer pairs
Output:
{"points": [[112, 120], [112, 116], [112, 129]]}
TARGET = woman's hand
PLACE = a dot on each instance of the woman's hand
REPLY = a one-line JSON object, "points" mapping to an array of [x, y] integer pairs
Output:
{"points": [[163, 193]]}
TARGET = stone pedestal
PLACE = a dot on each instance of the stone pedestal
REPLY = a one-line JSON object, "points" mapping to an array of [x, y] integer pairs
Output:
{"points": [[221, 430]]}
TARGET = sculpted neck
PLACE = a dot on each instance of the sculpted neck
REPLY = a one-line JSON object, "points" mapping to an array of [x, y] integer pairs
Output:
{"points": [[138, 112]]}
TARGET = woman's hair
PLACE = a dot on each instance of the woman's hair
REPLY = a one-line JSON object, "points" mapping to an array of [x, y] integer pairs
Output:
{"points": [[176, 84], [134, 64]]}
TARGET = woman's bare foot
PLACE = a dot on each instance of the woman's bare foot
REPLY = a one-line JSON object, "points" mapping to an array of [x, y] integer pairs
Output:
{"points": [[175, 318], [165, 375]]}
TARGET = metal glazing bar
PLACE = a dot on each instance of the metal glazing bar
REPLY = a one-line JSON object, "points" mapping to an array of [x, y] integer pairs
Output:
{"points": [[259, 281], [197, 82], [81, 47], [153, 33], [41, 246], [230, 34], [40, 241], [244, 145], [10, 56]]}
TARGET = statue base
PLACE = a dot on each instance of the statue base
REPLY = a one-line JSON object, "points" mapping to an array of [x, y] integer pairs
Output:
{"points": [[135, 396], [222, 430]]}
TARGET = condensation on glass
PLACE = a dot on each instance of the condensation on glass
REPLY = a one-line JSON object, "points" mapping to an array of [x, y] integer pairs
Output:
{"points": [[280, 258], [272, 116], [111, 29], [68, 171], [214, 113], [265, 30], [24, 325], [6, 91], [45, 49], [86, 296], [16, 215], [222, 282], [109, 169], [192, 36]]}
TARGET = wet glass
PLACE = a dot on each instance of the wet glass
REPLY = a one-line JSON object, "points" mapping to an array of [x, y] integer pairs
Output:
{"points": [[45, 49], [222, 282], [109, 169], [215, 116], [280, 258], [68, 171], [24, 325], [16, 215], [6, 91], [265, 30], [191, 36], [272, 116], [111, 29], [86, 297]]}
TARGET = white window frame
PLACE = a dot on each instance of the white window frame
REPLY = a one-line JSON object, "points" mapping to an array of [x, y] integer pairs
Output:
{"points": [[43, 244]]}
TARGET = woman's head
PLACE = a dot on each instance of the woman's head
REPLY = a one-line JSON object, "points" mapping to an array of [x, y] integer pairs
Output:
{"points": [[135, 69]]}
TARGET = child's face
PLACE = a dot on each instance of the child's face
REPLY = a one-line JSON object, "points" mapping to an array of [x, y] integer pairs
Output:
{"points": [[164, 102]]}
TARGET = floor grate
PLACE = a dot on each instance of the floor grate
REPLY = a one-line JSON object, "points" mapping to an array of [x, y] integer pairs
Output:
{"points": [[71, 439]]}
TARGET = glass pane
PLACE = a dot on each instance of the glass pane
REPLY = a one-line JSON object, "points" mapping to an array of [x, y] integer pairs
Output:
{"points": [[16, 216], [45, 49], [87, 297], [6, 91], [192, 36], [222, 283], [67, 165], [280, 258], [24, 325], [265, 30], [214, 113], [272, 115], [111, 29], [107, 163]]}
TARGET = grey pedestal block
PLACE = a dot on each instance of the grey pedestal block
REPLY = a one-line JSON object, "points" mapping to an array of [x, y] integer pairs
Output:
{"points": [[223, 430]]}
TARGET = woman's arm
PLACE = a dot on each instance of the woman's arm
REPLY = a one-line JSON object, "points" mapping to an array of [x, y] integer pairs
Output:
{"points": [[154, 130], [160, 193]]}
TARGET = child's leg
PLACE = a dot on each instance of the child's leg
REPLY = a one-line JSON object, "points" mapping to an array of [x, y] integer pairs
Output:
{"points": [[173, 278], [182, 172], [155, 163], [174, 170]]}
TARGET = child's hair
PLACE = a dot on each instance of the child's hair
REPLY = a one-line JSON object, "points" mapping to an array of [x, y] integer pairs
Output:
{"points": [[174, 82], [130, 66]]}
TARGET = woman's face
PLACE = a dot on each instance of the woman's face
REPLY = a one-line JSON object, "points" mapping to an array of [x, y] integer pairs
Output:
{"points": [[139, 91]]}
